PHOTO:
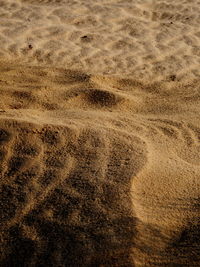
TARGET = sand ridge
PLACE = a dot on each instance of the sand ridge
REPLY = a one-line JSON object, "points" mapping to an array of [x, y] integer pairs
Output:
{"points": [[96, 170]]}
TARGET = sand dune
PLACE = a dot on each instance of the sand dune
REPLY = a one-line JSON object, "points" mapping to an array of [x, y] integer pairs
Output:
{"points": [[99, 133], [98, 170]]}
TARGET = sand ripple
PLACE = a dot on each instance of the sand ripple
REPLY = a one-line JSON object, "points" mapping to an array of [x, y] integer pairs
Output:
{"points": [[98, 170], [148, 39]]}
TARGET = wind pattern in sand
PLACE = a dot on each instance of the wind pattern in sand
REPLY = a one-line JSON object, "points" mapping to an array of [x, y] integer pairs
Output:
{"points": [[100, 133]]}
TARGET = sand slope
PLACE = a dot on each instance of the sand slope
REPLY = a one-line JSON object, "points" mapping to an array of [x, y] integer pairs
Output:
{"points": [[98, 170], [100, 133]]}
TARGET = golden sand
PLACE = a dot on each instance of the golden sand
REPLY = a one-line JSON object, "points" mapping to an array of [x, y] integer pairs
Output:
{"points": [[100, 133]]}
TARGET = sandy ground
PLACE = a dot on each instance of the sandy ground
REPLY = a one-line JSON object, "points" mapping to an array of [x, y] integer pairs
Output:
{"points": [[100, 133]]}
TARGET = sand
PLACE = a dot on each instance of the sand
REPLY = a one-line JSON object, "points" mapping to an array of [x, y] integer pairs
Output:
{"points": [[100, 133]]}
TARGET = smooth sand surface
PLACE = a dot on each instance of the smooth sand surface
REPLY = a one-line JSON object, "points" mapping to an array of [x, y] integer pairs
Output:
{"points": [[100, 133]]}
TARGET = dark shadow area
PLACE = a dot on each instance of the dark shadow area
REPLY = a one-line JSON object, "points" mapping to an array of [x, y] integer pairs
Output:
{"points": [[88, 219]]}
